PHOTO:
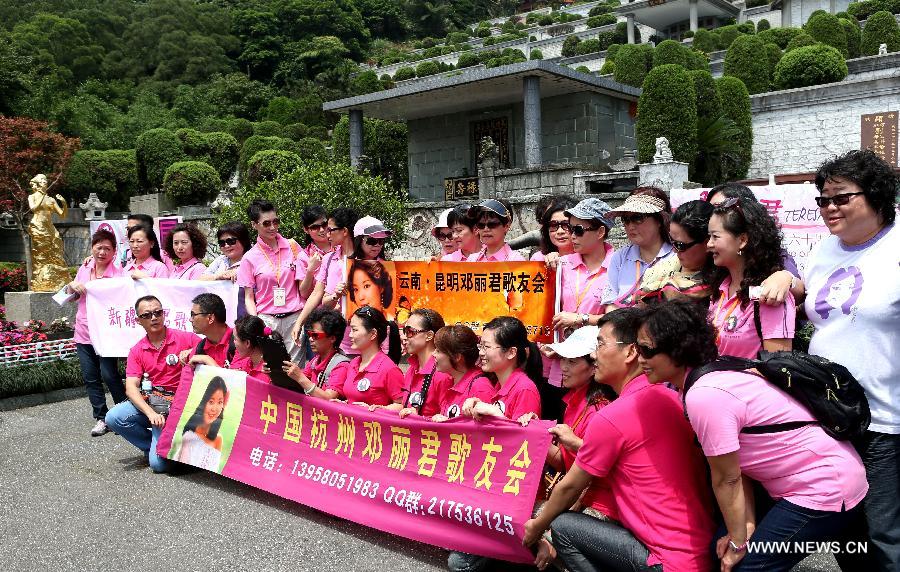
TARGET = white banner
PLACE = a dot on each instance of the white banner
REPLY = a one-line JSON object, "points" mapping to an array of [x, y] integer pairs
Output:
{"points": [[792, 206], [112, 320]]}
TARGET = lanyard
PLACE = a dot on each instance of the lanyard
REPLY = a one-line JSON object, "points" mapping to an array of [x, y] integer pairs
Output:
{"points": [[276, 267], [720, 324], [581, 293]]}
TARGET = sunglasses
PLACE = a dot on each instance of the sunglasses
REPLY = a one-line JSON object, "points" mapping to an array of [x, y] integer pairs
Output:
{"points": [[152, 314], [334, 228], [647, 352], [837, 200], [580, 229], [227, 242], [271, 223], [733, 202], [316, 335], [489, 224], [371, 241], [444, 236], [317, 227], [410, 331], [555, 225], [682, 246], [633, 218]]}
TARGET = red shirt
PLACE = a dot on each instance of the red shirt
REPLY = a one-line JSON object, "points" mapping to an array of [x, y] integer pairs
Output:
{"points": [[335, 382], [473, 384], [380, 383], [518, 396], [161, 364], [218, 352], [413, 381]]}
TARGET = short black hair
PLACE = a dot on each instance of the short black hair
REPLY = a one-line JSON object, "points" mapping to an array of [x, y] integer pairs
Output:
{"points": [[731, 191], [680, 329], [875, 177], [344, 217], [460, 215], [333, 324], [625, 323], [238, 230], [257, 207], [147, 298], [103, 234], [212, 304], [694, 217], [313, 213], [431, 319], [142, 218], [373, 319]]}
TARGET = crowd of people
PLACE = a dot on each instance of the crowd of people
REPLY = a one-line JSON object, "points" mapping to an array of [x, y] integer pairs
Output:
{"points": [[649, 474]]}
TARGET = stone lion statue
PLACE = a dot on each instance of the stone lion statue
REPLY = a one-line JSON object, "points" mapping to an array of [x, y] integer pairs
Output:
{"points": [[487, 150], [663, 152]]}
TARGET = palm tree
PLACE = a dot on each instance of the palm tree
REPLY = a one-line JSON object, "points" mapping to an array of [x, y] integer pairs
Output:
{"points": [[718, 150]]}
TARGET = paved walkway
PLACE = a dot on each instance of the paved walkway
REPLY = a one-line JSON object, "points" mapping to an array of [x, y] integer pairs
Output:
{"points": [[72, 502]]}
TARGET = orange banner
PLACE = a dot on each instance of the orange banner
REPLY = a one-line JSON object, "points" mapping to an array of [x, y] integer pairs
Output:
{"points": [[470, 293]]}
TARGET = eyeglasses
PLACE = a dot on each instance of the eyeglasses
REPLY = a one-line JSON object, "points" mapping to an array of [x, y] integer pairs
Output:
{"points": [[334, 228], [444, 236], [682, 246], [580, 229], [602, 343], [410, 331], [647, 352], [371, 241], [316, 335], [491, 224], [152, 314], [555, 225], [484, 348], [227, 242], [270, 223], [837, 200], [316, 227], [633, 218], [195, 314]]}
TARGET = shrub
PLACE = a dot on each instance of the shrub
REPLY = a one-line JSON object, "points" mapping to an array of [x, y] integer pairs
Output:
{"points": [[465, 60], [849, 18], [404, 73], [854, 37], [12, 279], [457, 37], [779, 36], [312, 149], [295, 131], [267, 129], [255, 144], [328, 184], [826, 28], [775, 54], [709, 105], [482, 32], [667, 108], [800, 41], [155, 150], [763, 25], [688, 34], [191, 182], [631, 65], [545, 20], [487, 55], [611, 51], [283, 110], [727, 35], [536, 54], [364, 82], [570, 46], [112, 174], [588, 47], [609, 67], [600, 10], [736, 106], [747, 27], [602, 20], [427, 68], [810, 65], [40, 378], [319, 132], [432, 52], [427, 42], [672, 52], [862, 10], [706, 41], [218, 149], [270, 164], [240, 129], [881, 28], [748, 60]]}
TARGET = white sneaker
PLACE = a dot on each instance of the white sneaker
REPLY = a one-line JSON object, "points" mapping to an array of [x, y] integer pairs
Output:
{"points": [[99, 429]]}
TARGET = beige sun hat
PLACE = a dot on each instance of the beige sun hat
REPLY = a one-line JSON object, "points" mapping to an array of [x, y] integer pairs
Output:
{"points": [[643, 204]]}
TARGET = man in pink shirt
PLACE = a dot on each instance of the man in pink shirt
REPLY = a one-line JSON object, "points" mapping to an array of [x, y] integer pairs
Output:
{"points": [[494, 219], [644, 448], [156, 355]]}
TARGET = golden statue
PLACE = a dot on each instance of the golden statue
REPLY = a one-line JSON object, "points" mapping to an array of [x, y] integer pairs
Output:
{"points": [[49, 271]]}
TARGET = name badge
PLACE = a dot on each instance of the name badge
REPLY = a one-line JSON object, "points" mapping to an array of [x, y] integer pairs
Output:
{"points": [[364, 384], [415, 399], [280, 295], [731, 324], [171, 359]]}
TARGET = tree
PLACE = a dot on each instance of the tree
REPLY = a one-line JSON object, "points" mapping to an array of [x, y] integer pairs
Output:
{"points": [[156, 150], [384, 142], [736, 107], [748, 60], [384, 18], [191, 182], [667, 108], [111, 174], [60, 46], [881, 28]]}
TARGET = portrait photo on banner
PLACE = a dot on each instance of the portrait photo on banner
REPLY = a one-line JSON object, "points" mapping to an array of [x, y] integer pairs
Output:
{"points": [[210, 418]]}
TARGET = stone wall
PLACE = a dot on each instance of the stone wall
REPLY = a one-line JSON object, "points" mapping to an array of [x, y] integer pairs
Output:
{"points": [[795, 130]]}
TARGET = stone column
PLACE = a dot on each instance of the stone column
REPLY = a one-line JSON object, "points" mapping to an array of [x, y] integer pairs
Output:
{"points": [[533, 137], [356, 136], [786, 8], [693, 17], [629, 18]]}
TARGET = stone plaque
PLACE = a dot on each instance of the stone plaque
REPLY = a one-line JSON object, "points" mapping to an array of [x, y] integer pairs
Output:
{"points": [[498, 130], [879, 133], [460, 188]]}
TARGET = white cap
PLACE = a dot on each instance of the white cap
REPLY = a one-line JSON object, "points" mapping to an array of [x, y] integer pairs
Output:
{"points": [[442, 221], [370, 226], [582, 342]]}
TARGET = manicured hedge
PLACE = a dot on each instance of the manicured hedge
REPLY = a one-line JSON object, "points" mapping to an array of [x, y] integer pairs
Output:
{"points": [[609, 67], [810, 65], [779, 36], [763, 25], [255, 144], [536, 54], [748, 60], [827, 29], [570, 46], [709, 105], [775, 54], [672, 52], [427, 68], [466, 59], [854, 37], [736, 106], [881, 28], [191, 182], [602, 20], [706, 41], [267, 128], [155, 150], [112, 174], [632, 64], [40, 378], [800, 41], [587, 47], [268, 165], [667, 108]]}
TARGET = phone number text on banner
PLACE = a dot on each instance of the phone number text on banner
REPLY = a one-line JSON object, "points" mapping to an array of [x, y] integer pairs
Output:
{"points": [[471, 293], [462, 485]]}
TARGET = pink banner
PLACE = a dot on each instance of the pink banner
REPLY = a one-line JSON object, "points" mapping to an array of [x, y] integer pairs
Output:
{"points": [[462, 485]]}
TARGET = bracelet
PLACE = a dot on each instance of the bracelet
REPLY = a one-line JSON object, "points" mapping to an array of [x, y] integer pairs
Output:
{"points": [[737, 548], [310, 390]]}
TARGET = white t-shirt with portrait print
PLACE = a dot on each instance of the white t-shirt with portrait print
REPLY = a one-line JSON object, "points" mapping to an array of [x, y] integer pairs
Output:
{"points": [[853, 300]]}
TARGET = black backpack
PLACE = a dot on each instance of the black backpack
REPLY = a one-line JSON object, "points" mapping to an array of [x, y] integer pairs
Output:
{"points": [[229, 355], [827, 389]]}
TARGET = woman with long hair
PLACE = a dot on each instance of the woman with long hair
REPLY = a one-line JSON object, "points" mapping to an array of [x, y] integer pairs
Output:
{"points": [[186, 247], [556, 232], [374, 379], [201, 444], [146, 259]]}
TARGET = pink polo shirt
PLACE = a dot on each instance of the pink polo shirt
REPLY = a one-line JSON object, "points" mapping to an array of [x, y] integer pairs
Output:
{"points": [[456, 256], [414, 379], [257, 371], [84, 275], [152, 267], [331, 273], [187, 270], [644, 448], [518, 397], [144, 358], [578, 415], [803, 466], [218, 352], [735, 326], [315, 371], [380, 383], [505, 254], [473, 384], [264, 270]]}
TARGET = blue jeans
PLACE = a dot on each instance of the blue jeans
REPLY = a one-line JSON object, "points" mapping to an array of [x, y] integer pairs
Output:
{"points": [[587, 544], [134, 426], [880, 453], [96, 371]]}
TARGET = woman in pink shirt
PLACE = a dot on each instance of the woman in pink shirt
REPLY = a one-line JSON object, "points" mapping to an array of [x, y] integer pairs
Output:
{"points": [[456, 354], [816, 481], [373, 380], [186, 247], [464, 233], [509, 357], [250, 333], [494, 218], [146, 258], [96, 370], [444, 236], [746, 248], [325, 374], [425, 385], [556, 234]]}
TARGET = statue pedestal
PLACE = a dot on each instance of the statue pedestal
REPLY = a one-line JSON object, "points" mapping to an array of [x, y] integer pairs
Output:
{"points": [[24, 306], [667, 176]]}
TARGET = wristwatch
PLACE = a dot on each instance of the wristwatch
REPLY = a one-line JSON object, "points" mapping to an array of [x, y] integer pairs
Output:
{"points": [[585, 319]]}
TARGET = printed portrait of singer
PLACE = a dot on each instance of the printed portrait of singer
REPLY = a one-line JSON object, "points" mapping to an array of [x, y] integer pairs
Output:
{"points": [[371, 285], [201, 444]]}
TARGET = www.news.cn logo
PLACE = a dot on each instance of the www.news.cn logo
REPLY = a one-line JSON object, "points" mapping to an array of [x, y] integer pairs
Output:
{"points": [[810, 547]]}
